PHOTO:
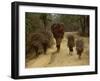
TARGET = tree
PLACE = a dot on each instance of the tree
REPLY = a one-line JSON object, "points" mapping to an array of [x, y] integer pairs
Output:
{"points": [[32, 22], [45, 19], [87, 24], [84, 21]]}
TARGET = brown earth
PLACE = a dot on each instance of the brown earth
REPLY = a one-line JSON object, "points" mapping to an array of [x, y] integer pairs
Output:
{"points": [[53, 59]]}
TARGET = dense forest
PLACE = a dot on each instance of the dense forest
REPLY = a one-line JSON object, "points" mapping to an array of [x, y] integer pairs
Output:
{"points": [[41, 42], [43, 21]]}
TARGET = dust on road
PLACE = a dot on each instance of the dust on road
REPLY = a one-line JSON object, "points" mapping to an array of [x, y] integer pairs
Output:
{"points": [[52, 59]]}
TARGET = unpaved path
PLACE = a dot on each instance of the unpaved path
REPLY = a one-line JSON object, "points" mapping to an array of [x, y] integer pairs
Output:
{"points": [[53, 59]]}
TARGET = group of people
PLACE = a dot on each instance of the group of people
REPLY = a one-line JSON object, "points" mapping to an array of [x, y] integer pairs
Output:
{"points": [[58, 33], [36, 41]]}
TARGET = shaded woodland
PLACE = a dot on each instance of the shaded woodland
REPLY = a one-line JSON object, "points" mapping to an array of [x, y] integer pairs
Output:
{"points": [[43, 21], [40, 23]]}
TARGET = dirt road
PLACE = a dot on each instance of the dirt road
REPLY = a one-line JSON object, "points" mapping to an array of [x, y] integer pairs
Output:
{"points": [[52, 59]]}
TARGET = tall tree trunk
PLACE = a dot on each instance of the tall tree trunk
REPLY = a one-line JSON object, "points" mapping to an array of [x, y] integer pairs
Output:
{"points": [[87, 24], [82, 21], [45, 25]]}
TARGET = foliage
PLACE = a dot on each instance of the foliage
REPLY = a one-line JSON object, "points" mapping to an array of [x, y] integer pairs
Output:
{"points": [[35, 22], [44, 18], [43, 21]]}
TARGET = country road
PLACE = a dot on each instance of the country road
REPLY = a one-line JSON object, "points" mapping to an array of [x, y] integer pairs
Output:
{"points": [[53, 59]]}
